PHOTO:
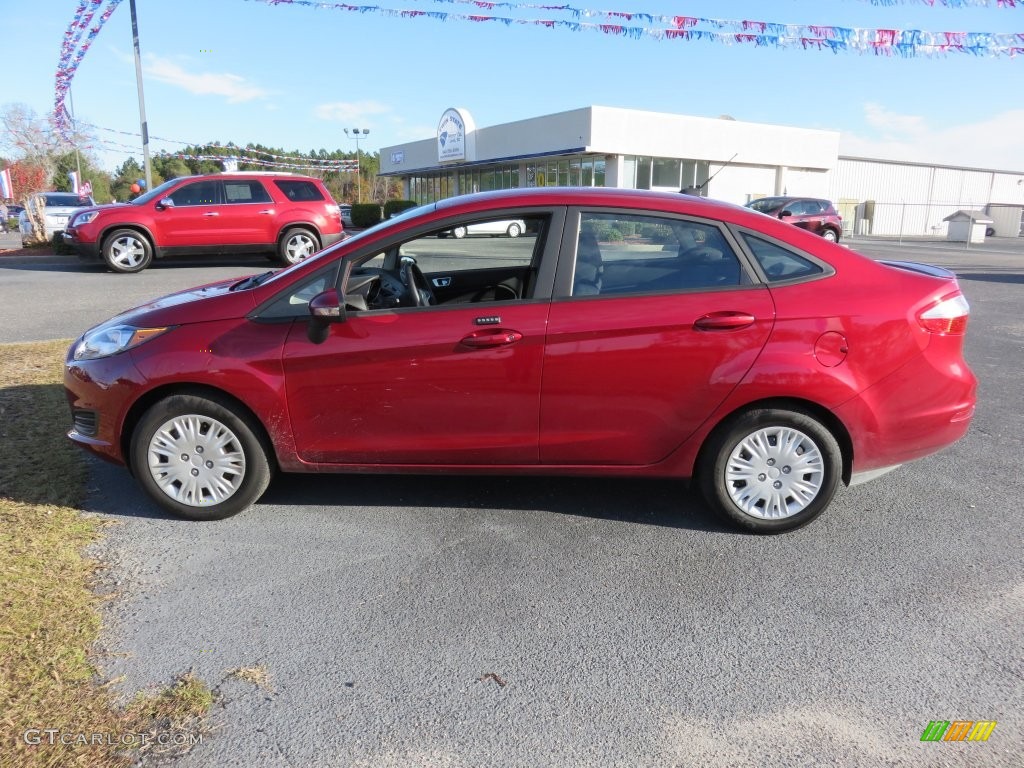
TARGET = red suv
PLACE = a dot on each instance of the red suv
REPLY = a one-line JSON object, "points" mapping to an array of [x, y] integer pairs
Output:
{"points": [[289, 216], [810, 213]]}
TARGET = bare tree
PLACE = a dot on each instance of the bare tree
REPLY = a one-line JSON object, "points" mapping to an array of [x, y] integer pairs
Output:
{"points": [[33, 139]]}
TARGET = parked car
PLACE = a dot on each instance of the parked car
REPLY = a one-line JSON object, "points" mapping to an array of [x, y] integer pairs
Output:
{"points": [[810, 213], [290, 217], [346, 214], [755, 358], [57, 209], [512, 228]]}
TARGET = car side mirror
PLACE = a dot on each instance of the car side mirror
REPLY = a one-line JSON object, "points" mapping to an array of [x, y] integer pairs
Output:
{"points": [[165, 203], [785, 213], [324, 309]]}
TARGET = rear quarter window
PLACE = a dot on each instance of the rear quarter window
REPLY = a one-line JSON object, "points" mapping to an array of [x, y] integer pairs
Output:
{"points": [[300, 191], [778, 263]]}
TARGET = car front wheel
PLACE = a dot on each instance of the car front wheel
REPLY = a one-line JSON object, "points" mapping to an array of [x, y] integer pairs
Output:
{"points": [[830, 235], [199, 458], [125, 250], [296, 245], [770, 471], [514, 230], [459, 232]]}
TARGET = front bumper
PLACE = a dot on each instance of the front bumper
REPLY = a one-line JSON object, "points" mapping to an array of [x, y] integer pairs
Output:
{"points": [[89, 251]]}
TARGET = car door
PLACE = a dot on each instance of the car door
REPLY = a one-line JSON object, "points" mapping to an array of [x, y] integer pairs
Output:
{"points": [[247, 216], [449, 384], [193, 221], [646, 338]]}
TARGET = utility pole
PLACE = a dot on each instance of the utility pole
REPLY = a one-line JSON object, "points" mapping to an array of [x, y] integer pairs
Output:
{"points": [[142, 99], [357, 134]]}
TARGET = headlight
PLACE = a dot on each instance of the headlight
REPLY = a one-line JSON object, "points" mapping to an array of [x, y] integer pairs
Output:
{"points": [[104, 342], [83, 218]]}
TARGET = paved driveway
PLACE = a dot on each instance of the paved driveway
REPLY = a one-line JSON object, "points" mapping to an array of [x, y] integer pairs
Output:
{"points": [[583, 622]]}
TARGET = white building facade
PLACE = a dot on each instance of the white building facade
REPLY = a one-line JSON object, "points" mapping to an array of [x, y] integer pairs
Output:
{"points": [[721, 158]]}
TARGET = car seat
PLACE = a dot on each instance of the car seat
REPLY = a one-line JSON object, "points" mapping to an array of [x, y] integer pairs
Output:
{"points": [[589, 266]]}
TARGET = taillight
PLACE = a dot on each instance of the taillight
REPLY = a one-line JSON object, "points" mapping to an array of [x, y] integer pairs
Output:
{"points": [[948, 316]]}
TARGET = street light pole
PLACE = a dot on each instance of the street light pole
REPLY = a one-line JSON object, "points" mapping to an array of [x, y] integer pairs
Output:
{"points": [[142, 100], [357, 134]]}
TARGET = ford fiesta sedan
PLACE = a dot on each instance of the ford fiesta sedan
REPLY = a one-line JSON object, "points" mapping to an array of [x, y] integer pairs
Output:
{"points": [[623, 333]]}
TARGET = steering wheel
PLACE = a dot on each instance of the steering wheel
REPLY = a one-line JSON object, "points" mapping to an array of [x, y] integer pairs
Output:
{"points": [[412, 276]]}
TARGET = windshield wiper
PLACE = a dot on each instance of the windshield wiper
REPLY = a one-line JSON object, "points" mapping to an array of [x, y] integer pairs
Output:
{"points": [[251, 282]]}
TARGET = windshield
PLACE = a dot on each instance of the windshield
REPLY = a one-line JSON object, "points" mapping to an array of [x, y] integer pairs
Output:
{"points": [[155, 193], [396, 220]]}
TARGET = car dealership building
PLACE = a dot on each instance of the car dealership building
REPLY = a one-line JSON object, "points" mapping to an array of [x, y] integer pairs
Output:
{"points": [[722, 158]]}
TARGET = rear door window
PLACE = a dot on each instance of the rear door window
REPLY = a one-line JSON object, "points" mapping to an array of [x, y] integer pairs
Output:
{"points": [[245, 192]]}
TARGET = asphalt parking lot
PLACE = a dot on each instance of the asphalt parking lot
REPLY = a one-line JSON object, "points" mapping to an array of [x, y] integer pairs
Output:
{"points": [[422, 621]]}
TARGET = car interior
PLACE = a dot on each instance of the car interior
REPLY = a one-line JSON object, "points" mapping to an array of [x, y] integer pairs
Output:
{"points": [[432, 269]]}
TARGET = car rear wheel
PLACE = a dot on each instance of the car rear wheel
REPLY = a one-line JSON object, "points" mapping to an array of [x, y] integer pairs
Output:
{"points": [[459, 232], [514, 230], [770, 471], [830, 235], [125, 250], [199, 458], [297, 244]]}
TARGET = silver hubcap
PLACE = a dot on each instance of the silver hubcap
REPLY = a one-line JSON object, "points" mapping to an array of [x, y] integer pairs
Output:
{"points": [[127, 252], [775, 473], [299, 247], [196, 460]]}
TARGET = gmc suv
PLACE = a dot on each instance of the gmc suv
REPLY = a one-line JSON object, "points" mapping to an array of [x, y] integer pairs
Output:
{"points": [[290, 217], [810, 213]]}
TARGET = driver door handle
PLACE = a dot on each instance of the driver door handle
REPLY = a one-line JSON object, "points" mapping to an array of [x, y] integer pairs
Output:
{"points": [[724, 321], [492, 337]]}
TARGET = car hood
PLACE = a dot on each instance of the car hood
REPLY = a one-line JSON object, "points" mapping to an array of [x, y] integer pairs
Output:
{"points": [[205, 303]]}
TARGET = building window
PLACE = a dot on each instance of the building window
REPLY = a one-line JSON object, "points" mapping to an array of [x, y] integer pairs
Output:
{"points": [[666, 173], [643, 173]]}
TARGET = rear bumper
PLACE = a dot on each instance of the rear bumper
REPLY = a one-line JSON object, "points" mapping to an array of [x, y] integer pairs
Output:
{"points": [[921, 408]]}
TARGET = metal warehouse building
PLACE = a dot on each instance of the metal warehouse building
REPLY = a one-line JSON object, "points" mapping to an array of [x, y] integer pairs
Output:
{"points": [[720, 157]]}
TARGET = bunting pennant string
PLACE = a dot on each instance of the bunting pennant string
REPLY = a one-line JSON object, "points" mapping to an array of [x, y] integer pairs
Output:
{"points": [[340, 166], [242, 153], [73, 50], [630, 15], [883, 42]]}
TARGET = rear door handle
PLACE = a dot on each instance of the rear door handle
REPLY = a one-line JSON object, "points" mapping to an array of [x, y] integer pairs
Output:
{"points": [[724, 321], [211, 213], [267, 213], [492, 337]]}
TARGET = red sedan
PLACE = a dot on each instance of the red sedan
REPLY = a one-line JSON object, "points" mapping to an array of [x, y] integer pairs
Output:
{"points": [[622, 333]]}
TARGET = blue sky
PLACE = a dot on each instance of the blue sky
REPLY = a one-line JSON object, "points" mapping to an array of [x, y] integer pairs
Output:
{"points": [[295, 77]]}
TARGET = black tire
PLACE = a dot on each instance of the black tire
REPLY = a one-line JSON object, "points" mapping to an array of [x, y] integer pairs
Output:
{"points": [[831, 235], [297, 244], [127, 251], [180, 433], [514, 230], [459, 232], [775, 498]]}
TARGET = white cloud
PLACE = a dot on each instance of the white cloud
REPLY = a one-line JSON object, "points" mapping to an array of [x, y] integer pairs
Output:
{"points": [[350, 113], [992, 142], [234, 87]]}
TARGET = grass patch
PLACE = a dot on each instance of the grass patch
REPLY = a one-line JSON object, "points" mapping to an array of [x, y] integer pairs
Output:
{"points": [[257, 675], [49, 611]]}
